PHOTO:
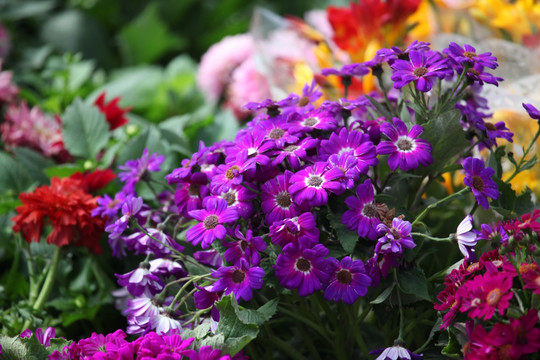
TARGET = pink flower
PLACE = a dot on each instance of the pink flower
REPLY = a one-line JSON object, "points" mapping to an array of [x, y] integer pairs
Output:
{"points": [[8, 90]]}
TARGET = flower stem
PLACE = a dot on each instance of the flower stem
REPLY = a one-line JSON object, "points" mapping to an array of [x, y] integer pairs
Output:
{"points": [[518, 167], [435, 204], [401, 315], [429, 237]]}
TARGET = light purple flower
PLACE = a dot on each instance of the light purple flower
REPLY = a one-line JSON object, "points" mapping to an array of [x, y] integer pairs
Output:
{"points": [[137, 170], [479, 179], [395, 238], [130, 208], [396, 352], [240, 280], [423, 68], [141, 281]]}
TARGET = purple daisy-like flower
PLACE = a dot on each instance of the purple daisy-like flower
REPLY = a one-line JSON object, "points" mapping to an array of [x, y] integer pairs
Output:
{"points": [[395, 238], [276, 132], [141, 281], [165, 323], [423, 68], [276, 201], [212, 217], [396, 352], [405, 149], [348, 280], [292, 230], [354, 142], [273, 107], [467, 55], [348, 70], [479, 179], [188, 195], [303, 267], [320, 119], [136, 170], [362, 215], [147, 244], [240, 198], [533, 112], [477, 75], [492, 233], [295, 154], [466, 238], [210, 257], [245, 247], [139, 311], [205, 353], [240, 280], [108, 207], [231, 173], [493, 132], [256, 144], [310, 185], [347, 164], [130, 208]]}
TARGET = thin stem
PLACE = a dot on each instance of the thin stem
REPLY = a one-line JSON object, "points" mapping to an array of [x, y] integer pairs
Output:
{"points": [[137, 225], [443, 200], [308, 322], [522, 160], [401, 315], [429, 237]]}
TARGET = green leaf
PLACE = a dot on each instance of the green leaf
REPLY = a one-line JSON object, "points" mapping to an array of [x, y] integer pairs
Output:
{"points": [[12, 348], [347, 238], [63, 170], [58, 344], [261, 315], [33, 162], [384, 295], [413, 282], [236, 333], [524, 202], [36, 351], [147, 38], [13, 176], [494, 160], [85, 130], [380, 108], [150, 139], [452, 348]]}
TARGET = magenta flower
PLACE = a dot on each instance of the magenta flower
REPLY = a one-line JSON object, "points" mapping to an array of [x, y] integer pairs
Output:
{"points": [[405, 149], [362, 215], [303, 267], [205, 353], [310, 185], [231, 173], [293, 229], [212, 217], [316, 119], [44, 338], [351, 142], [240, 198], [240, 280], [295, 154], [423, 68], [276, 201], [479, 179], [348, 280], [245, 247]]}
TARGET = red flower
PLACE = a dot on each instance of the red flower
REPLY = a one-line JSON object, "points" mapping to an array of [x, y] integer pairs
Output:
{"points": [[66, 207], [113, 113], [531, 276], [95, 180]]}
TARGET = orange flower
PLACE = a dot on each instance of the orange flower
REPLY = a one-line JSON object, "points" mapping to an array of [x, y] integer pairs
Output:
{"points": [[66, 207]]}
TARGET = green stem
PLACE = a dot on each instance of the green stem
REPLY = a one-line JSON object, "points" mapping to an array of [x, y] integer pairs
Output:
{"points": [[443, 200], [138, 226], [401, 315], [308, 322], [522, 160], [288, 349], [429, 237]]}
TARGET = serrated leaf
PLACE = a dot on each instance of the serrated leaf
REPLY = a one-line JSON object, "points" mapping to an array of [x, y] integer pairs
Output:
{"points": [[261, 315], [84, 129], [13, 176], [12, 348], [414, 282], [384, 295], [236, 333], [524, 202], [35, 351], [150, 139], [58, 344]]}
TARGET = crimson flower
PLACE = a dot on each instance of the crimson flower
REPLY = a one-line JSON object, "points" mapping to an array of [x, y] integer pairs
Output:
{"points": [[67, 207], [113, 113]]}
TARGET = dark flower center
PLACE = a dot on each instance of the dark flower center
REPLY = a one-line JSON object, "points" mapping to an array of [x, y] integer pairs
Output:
{"points": [[344, 276], [478, 183], [304, 100], [238, 276], [315, 181], [112, 204], [311, 121], [230, 197], [506, 352], [469, 54], [230, 172], [370, 210], [276, 133], [211, 222], [291, 148], [194, 189], [243, 245], [473, 72], [493, 297], [490, 126], [303, 265], [420, 71], [283, 199], [404, 144]]}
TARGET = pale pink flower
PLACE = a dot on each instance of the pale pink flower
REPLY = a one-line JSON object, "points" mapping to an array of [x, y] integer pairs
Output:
{"points": [[8, 90]]}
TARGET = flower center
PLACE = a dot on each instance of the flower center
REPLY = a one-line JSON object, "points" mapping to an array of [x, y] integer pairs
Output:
{"points": [[230, 174], [283, 199], [194, 189], [311, 121], [230, 197], [473, 72], [291, 148], [404, 144], [276, 133], [493, 297], [211, 222], [490, 126], [238, 276], [344, 276], [315, 181], [469, 54], [303, 265], [243, 245], [505, 352], [420, 71], [370, 210], [304, 100], [478, 183]]}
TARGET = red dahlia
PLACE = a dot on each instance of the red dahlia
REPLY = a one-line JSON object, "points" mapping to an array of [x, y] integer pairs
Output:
{"points": [[113, 113], [67, 208]]}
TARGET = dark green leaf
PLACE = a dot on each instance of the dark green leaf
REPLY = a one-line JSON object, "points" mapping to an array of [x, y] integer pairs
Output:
{"points": [[36, 351], [33, 162], [384, 295], [85, 130], [13, 176], [261, 315], [346, 237], [380, 108], [236, 333], [413, 282], [452, 348], [58, 344], [524, 202], [494, 160]]}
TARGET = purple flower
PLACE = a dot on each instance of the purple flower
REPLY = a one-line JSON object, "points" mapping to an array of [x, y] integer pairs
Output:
{"points": [[276, 201], [295, 154], [240, 198], [310, 185], [212, 217], [173, 346], [211, 258], [245, 247], [255, 144], [303, 267], [231, 173], [351, 142], [100, 343], [146, 244], [276, 132], [466, 238], [423, 68], [166, 267], [467, 55], [130, 208], [478, 178], [405, 149], [137, 170], [477, 75], [348, 280], [205, 353], [493, 131], [492, 233], [346, 163], [164, 323], [362, 215], [240, 280], [272, 107], [189, 195], [348, 70], [44, 338], [139, 311], [396, 352], [141, 281], [532, 111], [316, 119], [292, 230], [108, 207], [395, 238]]}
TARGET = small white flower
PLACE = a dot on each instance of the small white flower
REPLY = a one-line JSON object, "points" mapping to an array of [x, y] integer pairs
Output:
{"points": [[466, 238]]}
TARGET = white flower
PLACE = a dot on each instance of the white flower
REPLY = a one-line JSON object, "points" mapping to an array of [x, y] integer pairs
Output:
{"points": [[466, 238]]}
